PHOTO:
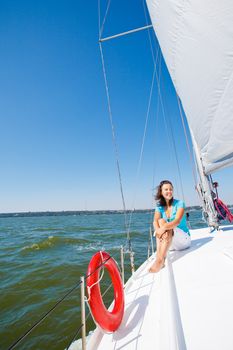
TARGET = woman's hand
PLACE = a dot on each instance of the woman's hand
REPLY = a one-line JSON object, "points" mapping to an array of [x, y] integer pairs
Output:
{"points": [[159, 232]]}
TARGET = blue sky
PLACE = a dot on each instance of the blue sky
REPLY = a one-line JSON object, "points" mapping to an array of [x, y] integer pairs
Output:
{"points": [[56, 142]]}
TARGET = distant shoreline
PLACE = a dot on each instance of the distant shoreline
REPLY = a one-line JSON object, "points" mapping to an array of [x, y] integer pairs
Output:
{"points": [[80, 212]]}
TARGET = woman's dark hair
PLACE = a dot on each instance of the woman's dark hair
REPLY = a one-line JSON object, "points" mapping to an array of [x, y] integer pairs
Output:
{"points": [[159, 197]]}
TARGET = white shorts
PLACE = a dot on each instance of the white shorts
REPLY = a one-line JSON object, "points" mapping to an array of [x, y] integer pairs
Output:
{"points": [[180, 240]]}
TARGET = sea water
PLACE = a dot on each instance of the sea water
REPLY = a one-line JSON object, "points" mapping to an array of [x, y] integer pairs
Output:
{"points": [[42, 257]]}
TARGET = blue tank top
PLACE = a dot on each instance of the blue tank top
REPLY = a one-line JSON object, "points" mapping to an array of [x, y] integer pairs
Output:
{"points": [[175, 206]]}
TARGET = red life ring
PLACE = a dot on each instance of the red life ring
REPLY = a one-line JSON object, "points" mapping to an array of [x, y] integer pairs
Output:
{"points": [[109, 321]]}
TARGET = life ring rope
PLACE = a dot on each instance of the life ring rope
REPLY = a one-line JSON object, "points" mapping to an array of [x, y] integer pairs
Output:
{"points": [[102, 275]]}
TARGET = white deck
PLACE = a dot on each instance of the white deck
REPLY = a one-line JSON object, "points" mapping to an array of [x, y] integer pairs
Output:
{"points": [[188, 305]]}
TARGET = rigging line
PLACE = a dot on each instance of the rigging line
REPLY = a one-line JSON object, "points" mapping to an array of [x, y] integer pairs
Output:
{"points": [[144, 137], [105, 16], [154, 162], [114, 143], [149, 35], [147, 115], [159, 91], [158, 82], [75, 335], [177, 162], [169, 128], [156, 127], [166, 125], [187, 142]]}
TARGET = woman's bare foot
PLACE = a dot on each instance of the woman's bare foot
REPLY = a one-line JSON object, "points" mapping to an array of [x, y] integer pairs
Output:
{"points": [[157, 266]]}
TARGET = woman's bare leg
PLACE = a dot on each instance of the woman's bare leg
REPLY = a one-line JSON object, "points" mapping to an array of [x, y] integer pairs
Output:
{"points": [[160, 240], [162, 246]]}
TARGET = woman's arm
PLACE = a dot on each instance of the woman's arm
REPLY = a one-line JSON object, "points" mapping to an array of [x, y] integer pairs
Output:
{"points": [[157, 216], [176, 221]]}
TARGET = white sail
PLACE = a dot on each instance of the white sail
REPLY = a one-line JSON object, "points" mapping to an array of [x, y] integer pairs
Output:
{"points": [[196, 38]]}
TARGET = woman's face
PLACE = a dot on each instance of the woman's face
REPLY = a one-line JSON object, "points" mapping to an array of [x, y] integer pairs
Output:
{"points": [[167, 191]]}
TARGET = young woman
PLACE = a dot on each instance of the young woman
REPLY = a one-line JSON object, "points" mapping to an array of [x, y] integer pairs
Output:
{"points": [[169, 223]]}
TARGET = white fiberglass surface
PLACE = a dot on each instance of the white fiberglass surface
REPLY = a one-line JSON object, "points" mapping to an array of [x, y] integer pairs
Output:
{"points": [[188, 305]]}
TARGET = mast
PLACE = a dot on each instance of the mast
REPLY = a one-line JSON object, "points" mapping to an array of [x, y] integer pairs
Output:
{"points": [[204, 189]]}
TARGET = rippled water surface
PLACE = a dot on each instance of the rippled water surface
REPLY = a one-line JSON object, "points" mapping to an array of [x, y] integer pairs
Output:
{"points": [[43, 257]]}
